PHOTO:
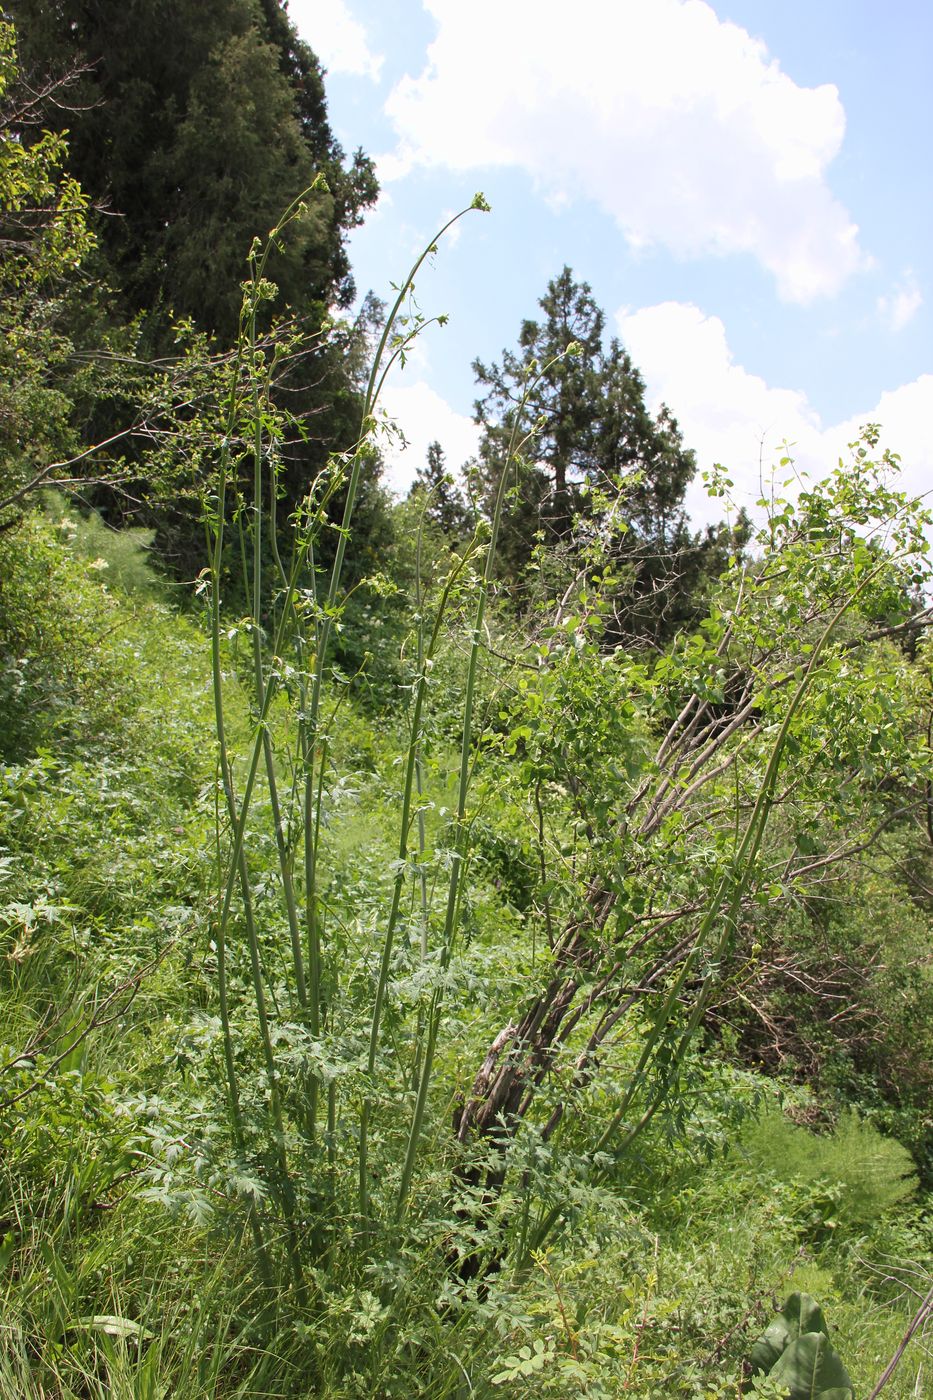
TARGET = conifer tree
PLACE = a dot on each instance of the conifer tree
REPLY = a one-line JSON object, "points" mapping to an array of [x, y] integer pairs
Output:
{"points": [[197, 124], [597, 461], [194, 126], [444, 502], [592, 430]]}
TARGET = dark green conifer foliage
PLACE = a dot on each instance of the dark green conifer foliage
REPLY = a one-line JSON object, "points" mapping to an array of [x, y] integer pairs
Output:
{"points": [[444, 501], [197, 124], [598, 459], [564, 405], [193, 125]]}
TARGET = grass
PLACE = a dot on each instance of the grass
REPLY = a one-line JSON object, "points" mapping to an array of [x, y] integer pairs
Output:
{"points": [[127, 1263]]}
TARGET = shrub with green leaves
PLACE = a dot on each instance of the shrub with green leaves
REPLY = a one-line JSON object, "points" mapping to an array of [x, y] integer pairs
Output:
{"points": [[850, 1175]]}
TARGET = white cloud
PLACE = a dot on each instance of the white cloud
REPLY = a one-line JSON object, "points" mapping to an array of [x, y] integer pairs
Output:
{"points": [[904, 414], [337, 38], [733, 417], [677, 124], [423, 417], [902, 305]]}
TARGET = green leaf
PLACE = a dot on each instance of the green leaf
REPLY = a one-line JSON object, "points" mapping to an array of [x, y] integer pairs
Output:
{"points": [[800, 1314], [812, 1370], [7, 1250]]}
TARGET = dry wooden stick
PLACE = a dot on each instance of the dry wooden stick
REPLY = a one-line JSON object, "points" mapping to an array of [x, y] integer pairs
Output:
{"points": [[924, 1311]]}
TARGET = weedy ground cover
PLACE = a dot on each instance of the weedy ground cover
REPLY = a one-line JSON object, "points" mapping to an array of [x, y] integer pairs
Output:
{"points": [[265, 945], [126, 1270]]}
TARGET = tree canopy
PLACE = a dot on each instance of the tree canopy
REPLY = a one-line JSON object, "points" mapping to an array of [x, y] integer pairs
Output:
{"points": [[594, 437], [444, 503], [190, 128], [598, 461], [196, 125]]}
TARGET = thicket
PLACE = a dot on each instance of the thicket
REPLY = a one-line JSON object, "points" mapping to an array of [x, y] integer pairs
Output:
{"points": [[189, 127], [405, 992]]}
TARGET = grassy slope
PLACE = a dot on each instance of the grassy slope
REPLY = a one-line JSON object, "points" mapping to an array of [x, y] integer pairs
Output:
{"points": [[124, 1270]]}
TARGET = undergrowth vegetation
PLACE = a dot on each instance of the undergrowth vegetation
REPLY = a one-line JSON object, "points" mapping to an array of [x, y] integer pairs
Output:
{"points": [[470, 1007]]}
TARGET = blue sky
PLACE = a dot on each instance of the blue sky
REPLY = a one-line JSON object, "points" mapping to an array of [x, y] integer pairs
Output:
{"points": [[744, 184]]}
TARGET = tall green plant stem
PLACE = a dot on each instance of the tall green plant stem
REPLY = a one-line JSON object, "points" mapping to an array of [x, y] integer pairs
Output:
{"points": [[380, 369], [405, 826], [237, 870], [306, 957], [288, 889], [460, 850], [419, 788], [233, 1094], [381, 365]]}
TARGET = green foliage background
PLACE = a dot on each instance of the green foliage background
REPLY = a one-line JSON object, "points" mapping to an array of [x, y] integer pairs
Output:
{"points": [[646, 924]]}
